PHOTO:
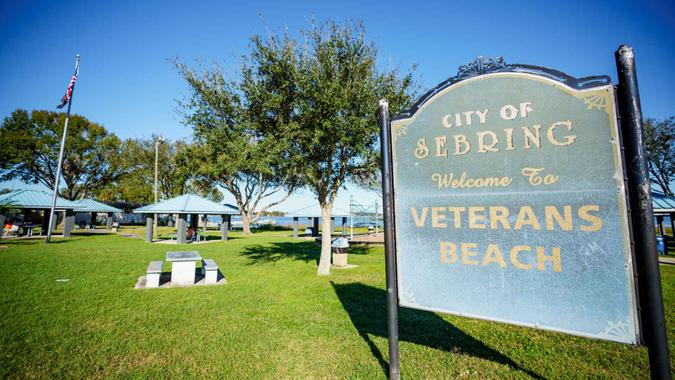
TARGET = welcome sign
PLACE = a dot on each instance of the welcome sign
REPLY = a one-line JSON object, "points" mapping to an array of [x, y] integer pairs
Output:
{"points": [[509, 205]]}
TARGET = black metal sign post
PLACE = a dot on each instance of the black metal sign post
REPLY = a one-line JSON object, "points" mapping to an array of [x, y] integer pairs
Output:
{"points": [[389, 240], [642, 216]]}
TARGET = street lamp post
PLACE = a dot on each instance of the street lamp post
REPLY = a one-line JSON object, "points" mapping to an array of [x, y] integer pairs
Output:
{"points": [[158, 142]]}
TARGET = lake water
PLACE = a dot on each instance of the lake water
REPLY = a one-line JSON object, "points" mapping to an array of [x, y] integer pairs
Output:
{"points": [[288, 220]]}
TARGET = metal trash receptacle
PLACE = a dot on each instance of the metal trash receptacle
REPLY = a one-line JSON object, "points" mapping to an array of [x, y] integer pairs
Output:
{"points": [[340, 245]]}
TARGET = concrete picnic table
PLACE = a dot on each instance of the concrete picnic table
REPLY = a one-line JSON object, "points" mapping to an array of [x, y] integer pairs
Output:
{"points": [[183, 266]]}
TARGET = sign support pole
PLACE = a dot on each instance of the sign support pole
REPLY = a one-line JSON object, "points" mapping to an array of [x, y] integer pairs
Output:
{"points": [[642, 216], [389, 240]]}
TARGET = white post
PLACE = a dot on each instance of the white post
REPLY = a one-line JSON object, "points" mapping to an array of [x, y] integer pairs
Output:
{"points": [[159, 141], [376, 217], [351, 219]]}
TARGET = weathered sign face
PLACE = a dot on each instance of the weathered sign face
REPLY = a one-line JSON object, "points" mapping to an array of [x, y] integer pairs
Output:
{"points": [[510, 206]]}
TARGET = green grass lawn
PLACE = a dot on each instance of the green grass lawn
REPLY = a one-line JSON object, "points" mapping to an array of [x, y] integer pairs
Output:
{"points": [[274, 319]]}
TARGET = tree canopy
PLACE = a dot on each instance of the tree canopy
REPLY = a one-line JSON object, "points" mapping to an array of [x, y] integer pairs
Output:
{"points": [[320, 95], [30, 144], [176, 163], [660, 144], [229, 137]]}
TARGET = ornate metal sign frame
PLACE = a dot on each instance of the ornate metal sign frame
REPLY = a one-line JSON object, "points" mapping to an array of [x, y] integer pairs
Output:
{"points": [[633, 191]]}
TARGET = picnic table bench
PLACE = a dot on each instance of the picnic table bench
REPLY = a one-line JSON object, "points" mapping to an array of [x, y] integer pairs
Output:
{"points": [[153, 273], [210, 271]]}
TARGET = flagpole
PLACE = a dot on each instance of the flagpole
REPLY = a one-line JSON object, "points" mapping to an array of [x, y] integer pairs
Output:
{"points": [[63, 147]]}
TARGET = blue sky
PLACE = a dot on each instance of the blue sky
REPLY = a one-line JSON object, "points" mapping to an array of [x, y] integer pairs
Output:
{"points": [[128, 84]]}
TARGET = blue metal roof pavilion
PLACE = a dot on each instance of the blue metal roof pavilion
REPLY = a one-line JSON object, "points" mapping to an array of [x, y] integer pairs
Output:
{"points": [[313, 213], [30, 199], [35, 200], [664, 205], [187, 204], [94, 207], [90, 205], [183, 205]]}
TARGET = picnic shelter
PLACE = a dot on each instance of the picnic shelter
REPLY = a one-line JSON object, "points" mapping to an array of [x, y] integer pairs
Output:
{"points": [[182, 206], [664, 205], [314, 217], [94, 207], [38, 200]]}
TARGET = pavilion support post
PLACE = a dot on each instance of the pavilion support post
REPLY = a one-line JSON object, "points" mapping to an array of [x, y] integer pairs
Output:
{"points": [[45, 221], [149, 223], [2, 226], [315, 227], [224, 226], [344, 226], [672, 224], [659, 222], [295, 227], [206, 222], [181, 228], [109, 221], [93, 219], [662, 230], [55, 222], [68, 223], [194, 221]]}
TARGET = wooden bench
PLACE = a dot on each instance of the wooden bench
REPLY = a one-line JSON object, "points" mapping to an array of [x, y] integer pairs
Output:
{"points": [[210, 271], [153, 273]]}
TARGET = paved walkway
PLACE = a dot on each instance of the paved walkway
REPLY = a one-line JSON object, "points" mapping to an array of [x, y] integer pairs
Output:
{"points": [[667, 260], [171, 241], [377, 238]]}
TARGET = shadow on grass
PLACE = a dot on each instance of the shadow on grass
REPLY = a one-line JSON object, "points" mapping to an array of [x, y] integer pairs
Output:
{"points": [[212, 238], [366, 306], [359, 249], [106, 233], [20, 242], [305, 251], [37, 240]]}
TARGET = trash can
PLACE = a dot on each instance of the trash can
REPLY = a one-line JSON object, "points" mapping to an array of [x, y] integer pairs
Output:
{"points": [[340, 247], [660, 245]]}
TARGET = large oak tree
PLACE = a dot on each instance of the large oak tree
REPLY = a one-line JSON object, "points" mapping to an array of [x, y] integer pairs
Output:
{"points": [[321, 97], [175, 172], [229, 140], [29, 149]]}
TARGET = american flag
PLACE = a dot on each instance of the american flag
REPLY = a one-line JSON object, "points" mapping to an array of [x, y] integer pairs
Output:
{"points": [[71, 85]]}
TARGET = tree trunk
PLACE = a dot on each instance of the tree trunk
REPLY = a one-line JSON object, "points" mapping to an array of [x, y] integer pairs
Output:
{"points": [[324, 260], [246, 224]]}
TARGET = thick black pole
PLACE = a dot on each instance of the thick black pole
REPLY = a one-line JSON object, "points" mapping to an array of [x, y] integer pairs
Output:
{"points": [[389, 241], [642, 216]]}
